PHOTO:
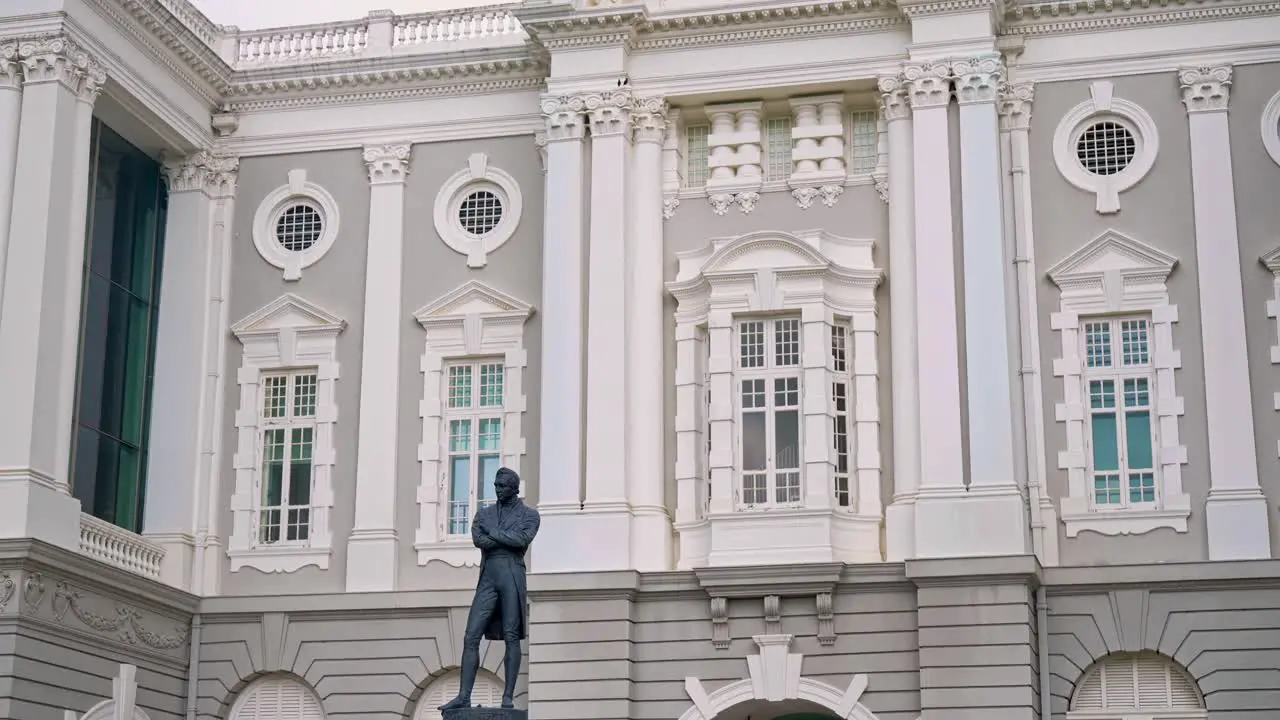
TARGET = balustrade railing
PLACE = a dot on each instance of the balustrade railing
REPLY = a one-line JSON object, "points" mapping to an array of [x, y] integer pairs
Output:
{"points": [[116, 546]]}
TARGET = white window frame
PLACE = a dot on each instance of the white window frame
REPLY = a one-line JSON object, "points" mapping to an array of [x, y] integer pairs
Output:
{"points": [[479, 174], [1271, 128], [826, 279], [1115, 274], [474, 413], [1117, 375], [776, 179], [288, 423], [297, 190], [287, 333], [472, 322], [316, 708], [768, 374], [860, 119], [689, 159], [1103, 106]]}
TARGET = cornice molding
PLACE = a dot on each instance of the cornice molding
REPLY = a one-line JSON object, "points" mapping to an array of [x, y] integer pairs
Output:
{"points": [[1205, 89], [1059, 17], [439, 82], [155, 30], [915, 9]]}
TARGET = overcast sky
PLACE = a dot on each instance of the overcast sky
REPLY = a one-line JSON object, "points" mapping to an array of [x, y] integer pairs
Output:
{"points": [[253, 14]]}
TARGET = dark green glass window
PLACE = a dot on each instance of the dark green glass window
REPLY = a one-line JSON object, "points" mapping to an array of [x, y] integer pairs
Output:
{"points": [[123, 255]]}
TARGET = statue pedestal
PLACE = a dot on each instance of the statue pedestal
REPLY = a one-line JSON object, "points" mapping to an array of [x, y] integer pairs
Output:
{"points": [[486, 713]]}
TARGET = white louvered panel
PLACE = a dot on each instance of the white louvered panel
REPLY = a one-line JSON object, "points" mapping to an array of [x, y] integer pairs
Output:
{"points": [[487, 692], [1089, 695], [1153, 683], [279, 699], [1182, 692], [1118, 682], [1136, 682]]}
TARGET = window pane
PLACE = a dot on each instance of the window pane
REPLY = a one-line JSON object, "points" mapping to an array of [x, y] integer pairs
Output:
{"points": [[459, 436], [1142, 487], [460, 386], [696, 168], [489, 465], [1102, 394], [787, 438], [1106, 451], [778, 143], [1137, 392], [787, 342], [128, 475], [1137, 427], [490, 434], [274, 396], [300, 467], [304, 396], [1097, 344], [1135, 346], [753, 396], [459, 495], [862, 146], [786, 392], [754, 442], [1106, 490], [839, 349], [491, 385], [751, 344], [272, 467], [755, 488]]}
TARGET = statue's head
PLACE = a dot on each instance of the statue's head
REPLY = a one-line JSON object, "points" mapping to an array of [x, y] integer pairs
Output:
{"points": [[506, 484]]}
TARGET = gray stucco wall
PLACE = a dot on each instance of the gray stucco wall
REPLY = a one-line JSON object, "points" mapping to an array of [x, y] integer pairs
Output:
{"points": [[1257, 219], [1156, 211]]}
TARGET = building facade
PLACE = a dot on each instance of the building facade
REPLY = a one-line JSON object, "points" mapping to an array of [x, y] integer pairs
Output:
{"points": [[876, 360]]}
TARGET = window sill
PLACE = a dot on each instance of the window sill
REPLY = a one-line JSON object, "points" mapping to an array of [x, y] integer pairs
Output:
{"points": [[457, 551], [1123, 522], [279, 559]]}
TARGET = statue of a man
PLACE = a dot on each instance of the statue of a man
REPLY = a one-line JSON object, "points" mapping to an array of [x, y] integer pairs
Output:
{"points": [[503, 532]]}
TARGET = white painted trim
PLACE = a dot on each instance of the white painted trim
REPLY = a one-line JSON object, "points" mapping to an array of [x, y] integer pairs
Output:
{"points": [[775, 676], [1270, 127], [1272, 261], [318, 710], [1115, 273], [298, 189], [288, 332], [478, 175], [1103, 106], [473, 320]]}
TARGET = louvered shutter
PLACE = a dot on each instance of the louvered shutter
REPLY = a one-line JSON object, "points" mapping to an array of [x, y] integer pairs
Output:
{"points": [[279, 699], [487, 692], [1136, 682]]}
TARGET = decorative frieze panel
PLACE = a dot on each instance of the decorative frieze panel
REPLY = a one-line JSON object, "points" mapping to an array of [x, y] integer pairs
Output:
{"points": [[818, 154], [734, 156]]}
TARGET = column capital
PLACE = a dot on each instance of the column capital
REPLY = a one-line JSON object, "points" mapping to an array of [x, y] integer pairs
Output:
{"points": [[92, 80], [928, 84], [649, 120], [563, 115], [204, 171], [610, 112], [894, 101], [387, 163], [56, 59], [1205, 89], [1015, 105], [10, 67], [977, 79]]}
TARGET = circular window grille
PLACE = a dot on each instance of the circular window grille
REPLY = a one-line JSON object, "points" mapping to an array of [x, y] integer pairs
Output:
{"points": [[299, 227], [1106, 148], [480, 212]]}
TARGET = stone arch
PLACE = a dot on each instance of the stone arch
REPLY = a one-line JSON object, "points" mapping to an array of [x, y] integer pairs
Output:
{"points": [[1144, 684], [775, 676]]}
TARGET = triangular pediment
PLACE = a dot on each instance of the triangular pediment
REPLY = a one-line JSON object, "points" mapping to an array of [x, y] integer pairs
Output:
{"points": [[288, 311], [1272, 261], [1112, 252], [472, 298], [763, 250]]}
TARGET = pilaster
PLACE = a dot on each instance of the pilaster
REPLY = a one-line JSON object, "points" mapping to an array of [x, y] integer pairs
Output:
{"points": [[41, 290], [10, 119], [903, 341], [561, 451], [646, 447], [1236, 510], [372, 557], [190, 368]]}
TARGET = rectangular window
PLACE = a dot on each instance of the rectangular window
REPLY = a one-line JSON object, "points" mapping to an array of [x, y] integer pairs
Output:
{"points": [[768, 379], [287, 456], [475, 397], [863, 142], [695, 155], [1119, 387], [777, 148], [840, 401]]}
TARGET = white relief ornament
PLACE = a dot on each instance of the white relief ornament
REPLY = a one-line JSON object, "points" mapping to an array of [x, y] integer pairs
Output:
{"points": [[747, 201], [805, 196], [387, 163], [669, 206], [720, 202], [977, 79], [1205, 89], [831, 193], [882, 186]]}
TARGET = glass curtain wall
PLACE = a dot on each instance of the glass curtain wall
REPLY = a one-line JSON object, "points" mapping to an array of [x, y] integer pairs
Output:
{"points": [[119, 310]]}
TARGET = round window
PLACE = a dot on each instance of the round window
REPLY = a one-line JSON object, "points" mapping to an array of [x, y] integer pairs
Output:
{"points": [[299, 227], [1106, 148], [480, 212]]}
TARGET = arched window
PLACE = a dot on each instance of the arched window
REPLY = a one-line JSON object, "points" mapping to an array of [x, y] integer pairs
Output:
{"points": [[487, 692], [277, 698], [1128, 686]]}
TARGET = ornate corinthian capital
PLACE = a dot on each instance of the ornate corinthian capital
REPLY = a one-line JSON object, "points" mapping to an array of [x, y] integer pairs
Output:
{"points": [[387, 163], [1205, 89], [10, 68], [55, 59], [649, 120], [1015, 105], [894, 103], [928, 84], [563, 115], [609, 112], [214, 175], [978, 79]]}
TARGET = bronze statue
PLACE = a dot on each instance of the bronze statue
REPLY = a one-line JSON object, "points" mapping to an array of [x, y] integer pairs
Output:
{"points": [[503, 532]]}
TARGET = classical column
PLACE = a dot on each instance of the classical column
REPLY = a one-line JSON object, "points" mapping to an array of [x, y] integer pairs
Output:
{"points": [[608, 464], [46, 239], [10, 117], [646, 446], [372, 548], [900, 514], [993, 498], [187, 396], [1236, 511], [560, 426]]}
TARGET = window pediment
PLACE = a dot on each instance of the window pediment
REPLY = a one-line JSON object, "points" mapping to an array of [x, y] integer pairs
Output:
{"points": [[1112, 252], [472, 298], [287, 311]]}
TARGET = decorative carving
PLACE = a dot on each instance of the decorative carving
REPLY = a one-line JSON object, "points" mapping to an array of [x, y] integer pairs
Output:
{"points": [[882, 186], [540, 142], [649, 120], [826, 619], [720, 202], [669, 206], [720, 623], [7, 589], [33, 591], [928, 84], [563, 116], [805, 196], [387, 163], [225, 124], [92, 79], [10, 68], [1015, 105], [1205, 89], [609, 112], [205, 172], [53, 59], [747, 201], [126, 624], [772, 614], [894, 102], [978, 79], [830, 193]]}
